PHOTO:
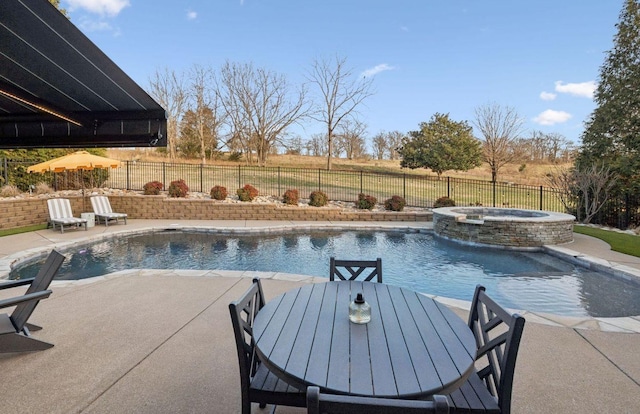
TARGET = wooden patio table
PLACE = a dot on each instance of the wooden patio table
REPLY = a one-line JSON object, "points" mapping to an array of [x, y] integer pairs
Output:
{"points": [[413, 347]]}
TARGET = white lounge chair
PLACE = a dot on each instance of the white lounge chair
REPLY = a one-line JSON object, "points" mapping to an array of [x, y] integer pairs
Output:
{"points": [[102, 209], [60, 214]]}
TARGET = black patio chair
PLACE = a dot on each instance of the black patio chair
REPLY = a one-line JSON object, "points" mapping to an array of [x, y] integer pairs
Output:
{"points": [[319, 403], [15, 332], [257, 383], [354, 268], [497, 333]]}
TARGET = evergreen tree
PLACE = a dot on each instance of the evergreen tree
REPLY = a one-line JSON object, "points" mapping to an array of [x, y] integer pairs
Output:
{"points": [[612, 133], [441, 145]]}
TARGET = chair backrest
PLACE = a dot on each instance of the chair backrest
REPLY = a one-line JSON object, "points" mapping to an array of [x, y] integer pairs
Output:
{"points": [[243, 313], [101, 205], [40, 283], [497, 334], [59, 208], [352, 269], [319, 403]]}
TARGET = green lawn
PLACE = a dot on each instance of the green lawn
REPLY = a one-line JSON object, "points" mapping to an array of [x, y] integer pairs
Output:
{"points": [[620, 242], [9, 232]]}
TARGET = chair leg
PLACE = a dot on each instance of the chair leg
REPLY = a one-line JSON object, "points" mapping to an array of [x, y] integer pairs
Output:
{"points": [[15, 342], [32, 327]]}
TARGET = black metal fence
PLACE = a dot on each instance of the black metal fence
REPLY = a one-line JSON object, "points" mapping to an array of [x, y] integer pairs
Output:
{"points": [[417, 190]]}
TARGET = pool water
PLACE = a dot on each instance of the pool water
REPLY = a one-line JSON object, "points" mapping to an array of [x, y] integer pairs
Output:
{"points": [[521, 280]]}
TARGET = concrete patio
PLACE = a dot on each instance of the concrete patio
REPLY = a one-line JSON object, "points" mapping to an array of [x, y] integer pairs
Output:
{"points": [[149, 341]]}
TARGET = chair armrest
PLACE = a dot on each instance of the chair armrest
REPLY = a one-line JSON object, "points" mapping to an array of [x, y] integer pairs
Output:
{"points": [[5, 303], [13, 283]]}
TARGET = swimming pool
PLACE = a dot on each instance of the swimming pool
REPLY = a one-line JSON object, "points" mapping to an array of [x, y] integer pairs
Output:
{"points": [[522, 280]]}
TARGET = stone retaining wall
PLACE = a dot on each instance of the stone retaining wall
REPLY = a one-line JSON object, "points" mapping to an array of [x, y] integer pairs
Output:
{"points": [[33, 211], [508, 232]]}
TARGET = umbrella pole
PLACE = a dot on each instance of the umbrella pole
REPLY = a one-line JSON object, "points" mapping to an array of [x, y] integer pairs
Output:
{"points": [[82, 181]]}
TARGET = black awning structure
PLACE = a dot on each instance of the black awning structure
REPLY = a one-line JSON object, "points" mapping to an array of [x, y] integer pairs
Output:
{"points": [[58, 89]]}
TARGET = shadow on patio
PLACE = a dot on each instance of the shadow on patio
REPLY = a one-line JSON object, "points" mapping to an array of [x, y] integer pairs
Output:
{"points": [[159, 342]]}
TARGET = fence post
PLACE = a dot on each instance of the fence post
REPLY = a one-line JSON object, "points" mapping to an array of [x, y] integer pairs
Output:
{"points": [[404, 186], [448, 187], [494, 192], [319, 183], [279, 189], [201, 178], [627, 212], [5, 172], [541, 198], [164, 175], [128, 176], [239, 177], [361, 182]]}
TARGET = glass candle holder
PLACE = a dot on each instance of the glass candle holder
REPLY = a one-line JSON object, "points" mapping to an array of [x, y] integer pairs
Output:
{"points": [[359, 310]]}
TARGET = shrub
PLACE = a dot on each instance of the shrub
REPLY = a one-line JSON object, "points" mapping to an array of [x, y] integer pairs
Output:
{"points": [[219, 192], [9, 191], [152, 188], [365, 201], [395, 203], [235, 156], [444, 202], [178, 188], [318, 199], [247, 193], [291, 197], [43, 188]]}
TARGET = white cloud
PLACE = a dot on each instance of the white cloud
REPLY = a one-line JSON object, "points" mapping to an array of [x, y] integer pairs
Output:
{"points": [[376, 69], [551, 117], [583, 89], [102, 7], [547, 96], [191, 15], [89, 25]]}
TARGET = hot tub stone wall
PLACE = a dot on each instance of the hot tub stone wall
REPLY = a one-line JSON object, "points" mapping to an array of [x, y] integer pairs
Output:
{"points": [[33, 211], [510, 233]]}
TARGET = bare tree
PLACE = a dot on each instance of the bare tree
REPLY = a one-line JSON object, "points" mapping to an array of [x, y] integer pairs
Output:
{"points": [[380, 145], [228, 87], [317, 145], [207, 109], [587, 189], [168, 89], [594, 184], [350, 138], [260, 105], [555, 145], [340, 94], [499, 127], [540, 146], [562, 180], [293, 146], [394, 140]]}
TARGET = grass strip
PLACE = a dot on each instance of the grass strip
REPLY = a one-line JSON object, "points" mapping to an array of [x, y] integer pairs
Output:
{"points": [[9, 232], [619, 242]]}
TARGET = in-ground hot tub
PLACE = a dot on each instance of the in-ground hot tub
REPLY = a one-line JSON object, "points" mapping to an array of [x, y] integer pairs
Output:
{"points": [[505, 227]]}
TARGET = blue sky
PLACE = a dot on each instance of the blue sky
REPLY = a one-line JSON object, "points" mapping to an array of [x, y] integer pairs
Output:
{"points": [[540, 57]]}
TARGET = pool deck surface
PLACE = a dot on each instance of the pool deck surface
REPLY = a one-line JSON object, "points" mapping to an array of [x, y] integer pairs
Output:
{"points": [[151, 341]]}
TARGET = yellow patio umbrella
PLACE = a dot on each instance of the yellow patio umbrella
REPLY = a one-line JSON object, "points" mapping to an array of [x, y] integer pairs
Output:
{"points": [[79, 160]]}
